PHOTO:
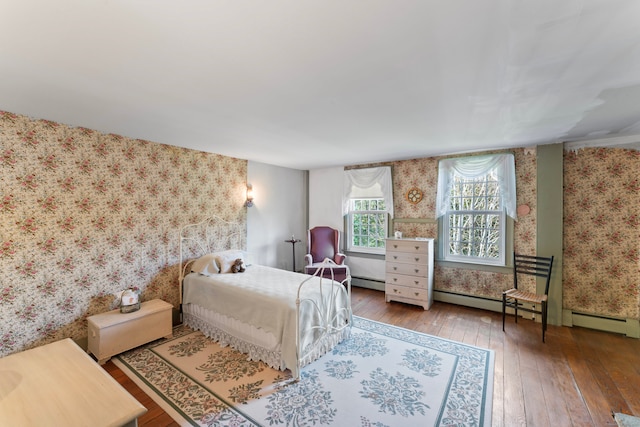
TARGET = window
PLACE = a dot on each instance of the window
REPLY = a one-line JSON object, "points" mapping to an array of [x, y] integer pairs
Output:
{"points": [[367, 225], [475, 195], [367, 205], [474, 223]]}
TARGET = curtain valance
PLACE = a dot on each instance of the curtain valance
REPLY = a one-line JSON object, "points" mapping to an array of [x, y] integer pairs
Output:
{"points": [[369, 183]]}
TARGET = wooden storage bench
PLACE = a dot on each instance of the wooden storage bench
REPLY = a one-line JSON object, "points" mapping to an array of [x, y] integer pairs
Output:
{"points": [[113, 332]]}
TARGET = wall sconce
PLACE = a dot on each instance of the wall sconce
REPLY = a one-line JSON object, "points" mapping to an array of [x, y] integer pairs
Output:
{"points": [[249, 201]]}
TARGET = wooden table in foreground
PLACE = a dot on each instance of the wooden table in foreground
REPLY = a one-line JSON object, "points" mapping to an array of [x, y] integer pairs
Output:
{"points": [[58, 384]]}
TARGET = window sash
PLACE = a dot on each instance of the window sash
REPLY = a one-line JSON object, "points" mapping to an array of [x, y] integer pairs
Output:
{"points": [[371, 222], [478, 234]]}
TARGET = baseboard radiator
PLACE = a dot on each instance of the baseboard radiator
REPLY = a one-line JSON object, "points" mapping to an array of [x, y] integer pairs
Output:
{"points": [[364, 282], [628, 327]]}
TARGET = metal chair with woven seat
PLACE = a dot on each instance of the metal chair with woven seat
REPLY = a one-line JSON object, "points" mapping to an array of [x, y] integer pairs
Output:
{"points": [[516, 298]]}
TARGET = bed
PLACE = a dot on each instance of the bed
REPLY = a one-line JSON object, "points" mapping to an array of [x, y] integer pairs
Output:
{"points": [[282, 318]]}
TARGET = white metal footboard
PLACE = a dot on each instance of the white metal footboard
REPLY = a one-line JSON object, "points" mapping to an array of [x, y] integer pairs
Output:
{"points": [[334, 318]]}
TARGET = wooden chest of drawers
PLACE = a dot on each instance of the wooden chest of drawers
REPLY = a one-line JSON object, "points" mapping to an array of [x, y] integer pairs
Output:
{"points": [[409, 271]]}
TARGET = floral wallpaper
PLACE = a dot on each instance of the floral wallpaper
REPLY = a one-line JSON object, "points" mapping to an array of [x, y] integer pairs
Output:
{"points": [[601, 270], [423, 174], [85, 215]]}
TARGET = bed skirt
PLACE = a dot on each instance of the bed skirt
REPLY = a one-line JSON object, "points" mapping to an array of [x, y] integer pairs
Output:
{"points": [[257, 344]]}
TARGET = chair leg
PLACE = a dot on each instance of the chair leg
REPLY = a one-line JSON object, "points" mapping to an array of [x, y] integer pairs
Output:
{"points": [[544, 318], [515, 309], [504, 309]]}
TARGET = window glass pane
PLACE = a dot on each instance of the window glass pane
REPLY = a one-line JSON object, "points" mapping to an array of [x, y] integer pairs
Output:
{"points": [[455, 203], [464, 249], [357, 229], [493, 221], [492, 188]]}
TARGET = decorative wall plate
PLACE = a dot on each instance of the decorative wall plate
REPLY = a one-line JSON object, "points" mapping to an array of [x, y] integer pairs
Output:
{"points": [[523, 210], [414, 195]]}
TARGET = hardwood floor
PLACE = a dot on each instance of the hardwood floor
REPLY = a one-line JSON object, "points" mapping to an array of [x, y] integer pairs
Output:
{"points": [[576, 379]]}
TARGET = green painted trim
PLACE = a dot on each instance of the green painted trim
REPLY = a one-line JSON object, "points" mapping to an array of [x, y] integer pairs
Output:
{"points": [[633, 328], [550, 221]]}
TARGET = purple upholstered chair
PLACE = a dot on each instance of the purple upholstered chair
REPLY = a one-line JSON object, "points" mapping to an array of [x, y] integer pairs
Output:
{"points": [[323, 243]]}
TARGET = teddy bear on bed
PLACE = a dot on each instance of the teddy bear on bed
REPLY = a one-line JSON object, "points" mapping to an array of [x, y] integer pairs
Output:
{"points": [[238, 266]]}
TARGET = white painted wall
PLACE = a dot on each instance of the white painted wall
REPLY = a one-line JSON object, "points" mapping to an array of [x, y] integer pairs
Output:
{"points": [[290, 201], [279, 211], [325, 197]]}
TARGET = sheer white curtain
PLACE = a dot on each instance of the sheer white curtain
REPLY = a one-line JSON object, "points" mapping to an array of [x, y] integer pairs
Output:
{"points": [[473, 167], [369, 183]]}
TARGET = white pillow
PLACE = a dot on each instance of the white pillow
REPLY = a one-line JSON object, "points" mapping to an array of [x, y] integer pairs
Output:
{"points": [[226, 259], [205, 265]]}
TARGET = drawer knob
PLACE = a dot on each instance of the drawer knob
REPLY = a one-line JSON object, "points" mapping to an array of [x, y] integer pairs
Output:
{"points": [[417, 270], [416, 282], [395, 257], [395, 279], [395, 246], [417, 259], [417, 293], [395, 268], [417, 247], [395, 290]]}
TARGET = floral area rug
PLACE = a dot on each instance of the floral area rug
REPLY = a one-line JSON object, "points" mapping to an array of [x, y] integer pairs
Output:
{"points": [[380, 376]]}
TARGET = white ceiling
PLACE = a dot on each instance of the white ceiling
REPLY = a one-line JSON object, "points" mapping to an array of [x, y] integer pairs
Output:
{"points": [[321, 83]]}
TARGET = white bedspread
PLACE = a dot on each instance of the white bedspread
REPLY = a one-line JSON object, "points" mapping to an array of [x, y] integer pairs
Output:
{"points": [[266, 298]]}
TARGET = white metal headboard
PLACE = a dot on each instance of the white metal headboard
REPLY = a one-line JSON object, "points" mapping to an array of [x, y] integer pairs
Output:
{"points": [[210, 235]]}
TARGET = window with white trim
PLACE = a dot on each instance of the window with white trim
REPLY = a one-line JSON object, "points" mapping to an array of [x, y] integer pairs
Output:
{"points": [[474, 225], [475, 195], [367, 225], [367, 206]]}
